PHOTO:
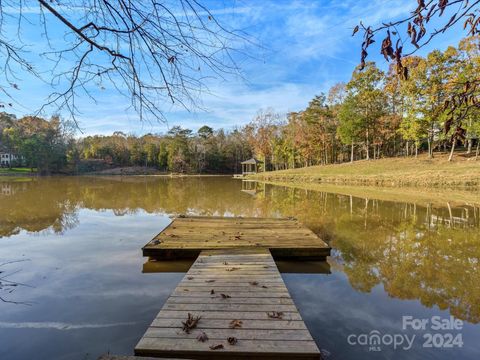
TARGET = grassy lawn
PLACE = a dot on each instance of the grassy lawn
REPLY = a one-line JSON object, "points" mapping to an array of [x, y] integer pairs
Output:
{"points": [[421, 171], [16, 170]]}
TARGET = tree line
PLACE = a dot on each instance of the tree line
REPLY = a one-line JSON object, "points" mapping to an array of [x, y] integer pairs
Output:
{"points": [[180, 150], [379, 114], [374, 115], [50, 147]]}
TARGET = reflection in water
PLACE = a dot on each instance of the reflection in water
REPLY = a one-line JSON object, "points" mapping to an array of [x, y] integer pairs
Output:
{"points": [[416, 251]]}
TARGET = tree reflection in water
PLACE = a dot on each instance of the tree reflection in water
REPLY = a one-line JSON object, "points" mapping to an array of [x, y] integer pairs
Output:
{"points": [[425, 251]]}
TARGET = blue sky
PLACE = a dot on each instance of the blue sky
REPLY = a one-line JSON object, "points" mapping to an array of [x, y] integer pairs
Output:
{"points": [[306, 47]]}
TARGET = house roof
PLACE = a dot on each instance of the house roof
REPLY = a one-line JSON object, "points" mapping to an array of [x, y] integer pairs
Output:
{"points": [[252, 161]]}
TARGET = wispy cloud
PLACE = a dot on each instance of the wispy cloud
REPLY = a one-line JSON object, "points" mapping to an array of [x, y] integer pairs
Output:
{"points": [[306, 47]]}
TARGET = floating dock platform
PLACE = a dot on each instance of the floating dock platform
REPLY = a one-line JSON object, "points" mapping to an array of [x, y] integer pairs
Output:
{"points": [[187, 236]]}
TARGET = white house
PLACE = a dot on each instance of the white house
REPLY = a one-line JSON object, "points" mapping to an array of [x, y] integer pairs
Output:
{"points": [[6, 157]]}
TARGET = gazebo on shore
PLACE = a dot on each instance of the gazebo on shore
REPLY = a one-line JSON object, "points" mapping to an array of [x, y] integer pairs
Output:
{"points": [[250, 166]]}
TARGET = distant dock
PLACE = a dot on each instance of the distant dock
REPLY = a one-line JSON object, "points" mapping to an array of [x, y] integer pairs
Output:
{"points": [[232, 303]]}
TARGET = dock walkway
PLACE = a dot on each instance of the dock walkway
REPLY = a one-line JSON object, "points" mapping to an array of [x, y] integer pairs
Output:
{"points": [[244, 307]]}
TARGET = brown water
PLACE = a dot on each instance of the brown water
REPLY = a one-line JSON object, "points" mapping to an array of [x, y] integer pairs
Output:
{"points": [[82, 291]]}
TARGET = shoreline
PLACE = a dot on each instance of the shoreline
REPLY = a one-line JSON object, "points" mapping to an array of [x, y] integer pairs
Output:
{"points": [[414, 195], [418, 173]]}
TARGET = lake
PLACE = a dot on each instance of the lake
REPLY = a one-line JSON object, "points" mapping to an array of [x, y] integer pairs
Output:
{"points": [[73, 248]]}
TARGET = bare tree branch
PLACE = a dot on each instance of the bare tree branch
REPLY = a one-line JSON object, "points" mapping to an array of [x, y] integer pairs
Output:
{"points": [[150, 51]]}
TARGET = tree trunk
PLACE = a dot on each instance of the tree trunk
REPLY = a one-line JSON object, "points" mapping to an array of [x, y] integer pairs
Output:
{"points": [[406, 147], [430, 150], [470, 144], [416, 149], [368, 145], [351, 154], [452, 150], [478, 149]]}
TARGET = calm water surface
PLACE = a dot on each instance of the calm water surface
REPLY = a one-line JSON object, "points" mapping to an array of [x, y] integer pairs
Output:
{"points": [[72, 246]]}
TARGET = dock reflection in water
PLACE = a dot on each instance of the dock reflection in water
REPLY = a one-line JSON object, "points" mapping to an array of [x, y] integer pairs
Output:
{"points": [[395, 252]]}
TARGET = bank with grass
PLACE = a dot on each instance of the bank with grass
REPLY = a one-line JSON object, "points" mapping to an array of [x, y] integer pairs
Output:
{"points": [[462, 172], [17, 171]]}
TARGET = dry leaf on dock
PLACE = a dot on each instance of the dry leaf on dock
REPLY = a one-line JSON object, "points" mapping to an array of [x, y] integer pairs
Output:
{"points": [[232, 340], [235, 324], [202, 337], [275, 314], [216, 347], [190, 323]]}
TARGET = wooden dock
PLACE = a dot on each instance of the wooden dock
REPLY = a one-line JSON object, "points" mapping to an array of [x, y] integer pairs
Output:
{"points": [[186, 237], [243, 305]]}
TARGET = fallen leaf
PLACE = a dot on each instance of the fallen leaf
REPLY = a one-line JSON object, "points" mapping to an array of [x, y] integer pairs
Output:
{"points": [[190, 278], [275, 314], [235, 324], [190, 323], [209, 281], [253, 283], [233, 269], [216, 347], [212, 292], [225, 296], [264, 286], [232, 340], [225, 263], [202, 337]]}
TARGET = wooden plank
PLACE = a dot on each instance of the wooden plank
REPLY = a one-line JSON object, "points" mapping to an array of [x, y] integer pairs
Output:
{"points": [[234, 300], [246, 348], [229, 307], [237, 283], [224, 315], [174, 315], [240, 334], [227, 289], [248, 281], [121, 357], [276, 294], [269, 325], [225, 324], [186, 237], [287, 253], [193, 218], [234, 231]]}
